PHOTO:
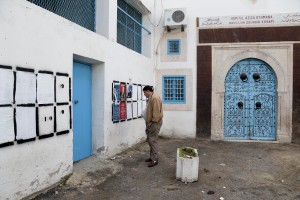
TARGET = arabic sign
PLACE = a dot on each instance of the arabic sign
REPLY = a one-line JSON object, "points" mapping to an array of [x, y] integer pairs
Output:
{"points": [[250, 20]]}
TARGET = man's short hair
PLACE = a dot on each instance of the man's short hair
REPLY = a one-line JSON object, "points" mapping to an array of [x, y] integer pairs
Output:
{"points": [[148, 88]]}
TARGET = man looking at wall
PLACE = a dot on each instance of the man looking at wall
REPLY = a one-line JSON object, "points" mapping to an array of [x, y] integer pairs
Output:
{"points": [[153, 118]]}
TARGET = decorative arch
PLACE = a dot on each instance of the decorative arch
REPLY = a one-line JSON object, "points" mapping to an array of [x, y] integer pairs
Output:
{"points": [[257, 54]]}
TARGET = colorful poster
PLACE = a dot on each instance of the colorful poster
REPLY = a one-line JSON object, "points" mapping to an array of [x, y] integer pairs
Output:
{"points": [[116, 91], [115, 112], [123, 91], [129, 91], [122, 110]]}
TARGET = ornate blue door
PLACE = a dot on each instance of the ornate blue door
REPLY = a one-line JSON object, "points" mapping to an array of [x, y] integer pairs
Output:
{"points": [[250, 101]]}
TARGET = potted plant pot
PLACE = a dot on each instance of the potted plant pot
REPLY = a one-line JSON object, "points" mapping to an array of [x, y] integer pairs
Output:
{"points": [[187, 164]]}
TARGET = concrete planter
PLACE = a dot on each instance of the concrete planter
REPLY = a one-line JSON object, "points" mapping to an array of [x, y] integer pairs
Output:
{"points": [[187, 168]]}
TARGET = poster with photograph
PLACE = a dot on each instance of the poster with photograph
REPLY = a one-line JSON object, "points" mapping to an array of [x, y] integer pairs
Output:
{"points": [[115, 112], [129, 111], [129, 91], [123, 110], [116, 91], [134, 92], [139, 92], [123, 91]]}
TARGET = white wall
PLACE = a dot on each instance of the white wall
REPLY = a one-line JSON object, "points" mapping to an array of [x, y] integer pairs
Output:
{"points": [[173, 120], [35, 38]]}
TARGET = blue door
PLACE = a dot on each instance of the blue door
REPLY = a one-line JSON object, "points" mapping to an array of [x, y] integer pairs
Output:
{"points": [[250, 101], [82, 111]]}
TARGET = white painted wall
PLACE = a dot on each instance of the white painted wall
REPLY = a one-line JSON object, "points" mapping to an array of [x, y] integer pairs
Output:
{"points": [[183, 123], [35, 38]]}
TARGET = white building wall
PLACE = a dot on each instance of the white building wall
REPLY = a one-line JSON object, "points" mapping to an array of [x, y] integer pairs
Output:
{"points": [[33, 37], [179, 123]]}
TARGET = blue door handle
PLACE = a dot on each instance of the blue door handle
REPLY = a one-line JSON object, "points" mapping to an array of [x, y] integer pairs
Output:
{"points": [[76, 102]]}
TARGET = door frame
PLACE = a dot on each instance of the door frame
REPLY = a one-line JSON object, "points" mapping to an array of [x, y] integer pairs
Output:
{"points": [[223, 58]]}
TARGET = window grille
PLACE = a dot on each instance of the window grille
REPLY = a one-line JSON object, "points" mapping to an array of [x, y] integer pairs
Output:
{"points": [[129, 26], [173, 47], [174, 89], [81, 12]]}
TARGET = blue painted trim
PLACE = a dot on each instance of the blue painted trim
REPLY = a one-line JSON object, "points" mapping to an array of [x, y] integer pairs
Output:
{"points": [[164, 101], [95, 6], [169, 52]]}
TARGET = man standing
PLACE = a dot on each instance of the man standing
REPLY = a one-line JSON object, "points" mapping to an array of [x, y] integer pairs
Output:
{"points": [[153, 118]]}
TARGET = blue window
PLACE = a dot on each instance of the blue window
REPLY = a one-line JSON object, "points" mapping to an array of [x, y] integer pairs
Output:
{"points": [[129, 26], [78, 11], [173, 91], [173, 47]]}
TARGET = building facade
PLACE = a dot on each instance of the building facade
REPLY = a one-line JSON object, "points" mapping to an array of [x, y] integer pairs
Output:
{"points": [[71, 87]]}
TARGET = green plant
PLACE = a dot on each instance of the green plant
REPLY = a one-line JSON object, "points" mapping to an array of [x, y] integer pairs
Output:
{"points": [[187, 152]]}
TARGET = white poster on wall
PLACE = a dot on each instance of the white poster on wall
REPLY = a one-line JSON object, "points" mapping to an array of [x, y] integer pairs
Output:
{"points": [[140, 108], [26, 123], [139, 92], [143, 96], [62, 89], [144, 105], [134, 92], [6, 86], [134, 109], [45, 88], [46, 120], [25, 87], [7, 133], [129, 110], [62, 118]]}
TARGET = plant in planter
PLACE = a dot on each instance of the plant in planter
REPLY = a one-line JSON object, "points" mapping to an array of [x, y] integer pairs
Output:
{"points": [[187, 164]]}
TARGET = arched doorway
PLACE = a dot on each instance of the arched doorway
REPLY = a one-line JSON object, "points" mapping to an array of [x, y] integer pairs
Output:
{"points": [[250, 101]]}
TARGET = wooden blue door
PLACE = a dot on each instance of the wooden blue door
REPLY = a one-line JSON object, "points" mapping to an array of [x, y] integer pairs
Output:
{"points": [[82, 111], [250, 101]]}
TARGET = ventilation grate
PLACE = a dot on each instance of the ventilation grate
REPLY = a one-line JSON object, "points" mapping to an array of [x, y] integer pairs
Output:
{"points": [[178, 16]]}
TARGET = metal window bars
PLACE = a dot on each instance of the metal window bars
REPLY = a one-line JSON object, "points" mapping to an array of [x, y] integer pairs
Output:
{"points": [[78, 11]]}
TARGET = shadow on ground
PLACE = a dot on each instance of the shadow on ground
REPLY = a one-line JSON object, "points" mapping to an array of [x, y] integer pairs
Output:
{"points": [[227, 170]]}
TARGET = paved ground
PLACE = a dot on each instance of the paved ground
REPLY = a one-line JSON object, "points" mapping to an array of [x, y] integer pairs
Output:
{"points": [[227, 170]]}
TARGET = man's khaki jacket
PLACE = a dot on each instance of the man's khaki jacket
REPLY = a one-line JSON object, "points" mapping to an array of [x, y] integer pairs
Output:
{"points": [[154, 112]]}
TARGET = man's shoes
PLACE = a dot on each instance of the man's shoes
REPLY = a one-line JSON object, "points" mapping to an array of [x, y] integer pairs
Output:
{"points": [[152, 163], [148, 160]]}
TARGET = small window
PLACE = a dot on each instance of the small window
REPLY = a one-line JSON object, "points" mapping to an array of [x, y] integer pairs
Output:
{"points": [[173, 47], [173, 89]]}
